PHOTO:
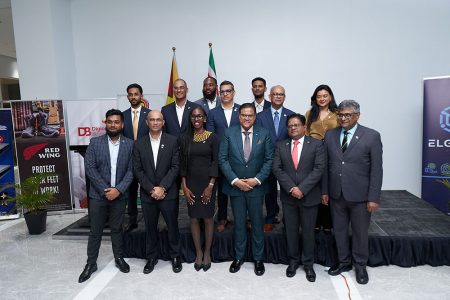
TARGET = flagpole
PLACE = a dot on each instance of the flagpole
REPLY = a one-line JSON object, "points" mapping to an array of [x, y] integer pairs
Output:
{"points": [[173, 76]]}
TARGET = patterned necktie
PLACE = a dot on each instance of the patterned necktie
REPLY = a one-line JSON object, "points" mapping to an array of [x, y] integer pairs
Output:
{"points": [[135, 124], [295, 153], [276, 121], [246, 145], [344, 142]]}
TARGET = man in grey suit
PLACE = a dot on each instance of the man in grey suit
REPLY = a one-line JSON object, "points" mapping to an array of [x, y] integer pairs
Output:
{"points": [[210, 98], [352, 187], [108, 167], [298, 164], [245, 158], [156, 165]]}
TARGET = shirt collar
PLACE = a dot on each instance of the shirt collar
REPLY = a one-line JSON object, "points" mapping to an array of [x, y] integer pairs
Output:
{"points": [[157, 139], [249, 130], [352, 130], [301, 140], [274, 110]]}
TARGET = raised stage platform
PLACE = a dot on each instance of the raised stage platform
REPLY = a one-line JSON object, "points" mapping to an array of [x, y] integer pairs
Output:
{"points": [[406, 231]]}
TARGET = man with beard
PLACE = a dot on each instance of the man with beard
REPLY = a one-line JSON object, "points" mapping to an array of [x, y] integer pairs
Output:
{"points": [[108, 165], [210, 99], [258, 89]]}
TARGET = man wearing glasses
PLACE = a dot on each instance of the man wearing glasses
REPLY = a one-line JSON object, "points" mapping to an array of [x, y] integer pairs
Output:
{"points": [[219, 119], [352, 187], [245, 158]]}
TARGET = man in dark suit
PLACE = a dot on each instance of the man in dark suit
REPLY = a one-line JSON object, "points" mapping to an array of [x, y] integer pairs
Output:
{"points": [[352, 187], [219, 119], [245, 158], [176, 114], [274, 120], [134, 128], [298, 164], [210, 98], [108, 167], [259, 88], [156, 165]]}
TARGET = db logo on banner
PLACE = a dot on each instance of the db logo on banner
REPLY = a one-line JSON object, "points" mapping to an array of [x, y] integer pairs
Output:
{"points": [[84, 131]]}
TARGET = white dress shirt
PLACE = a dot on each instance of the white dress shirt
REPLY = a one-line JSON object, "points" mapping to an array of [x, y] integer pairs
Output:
{"points": [[155, 147], [180, 111], [228, 113], [113, 154]]}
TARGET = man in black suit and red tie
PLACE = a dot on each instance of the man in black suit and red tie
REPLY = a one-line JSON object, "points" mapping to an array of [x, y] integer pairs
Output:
{"points": [[352, 187], [156, 165], [298, 164], [134, 128]]}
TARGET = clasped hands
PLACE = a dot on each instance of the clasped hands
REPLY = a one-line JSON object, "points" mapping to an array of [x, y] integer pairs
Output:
{"points": [[111, 193], [246, 184], [158, 193], [296, 192]]}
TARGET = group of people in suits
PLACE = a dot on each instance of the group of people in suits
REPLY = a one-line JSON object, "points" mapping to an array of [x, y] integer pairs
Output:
{"points": [[328, 167]]}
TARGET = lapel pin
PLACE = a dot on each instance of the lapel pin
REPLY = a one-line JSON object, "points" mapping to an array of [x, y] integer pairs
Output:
{"points": [[357, 137], [162, 146], [284, 115]]}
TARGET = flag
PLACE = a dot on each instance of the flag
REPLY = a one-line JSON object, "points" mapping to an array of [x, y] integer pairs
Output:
{"points": [[173, 77], [212, 66]]}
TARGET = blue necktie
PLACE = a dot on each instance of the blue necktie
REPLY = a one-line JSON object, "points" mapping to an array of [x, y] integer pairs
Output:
{"points": [[276, 122]]}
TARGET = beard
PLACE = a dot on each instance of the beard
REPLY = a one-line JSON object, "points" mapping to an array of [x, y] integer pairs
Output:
{"points": [[112, 134], [208, 95]]}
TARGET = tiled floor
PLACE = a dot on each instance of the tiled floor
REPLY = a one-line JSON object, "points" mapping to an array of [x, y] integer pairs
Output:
{"points": [[39, 267]]}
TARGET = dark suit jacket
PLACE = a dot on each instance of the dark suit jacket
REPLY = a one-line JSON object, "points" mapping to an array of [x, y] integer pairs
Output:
{"points": [[358, 172], [171, 125], [128, 123], [233, 165], [308, 174], [97, 163], [166, 170], [204, 103], [217, 122], [267, 104], [264, 119]]}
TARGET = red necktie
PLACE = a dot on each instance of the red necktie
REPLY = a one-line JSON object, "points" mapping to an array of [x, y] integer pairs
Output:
{"points": [[295, 153]]}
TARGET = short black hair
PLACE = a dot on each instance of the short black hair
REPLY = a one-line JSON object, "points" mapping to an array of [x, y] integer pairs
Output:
{"points": [[226, 82], [209, 77], [114, 112], [300, 117], [259, 79], [135, 85], [247, 105]]}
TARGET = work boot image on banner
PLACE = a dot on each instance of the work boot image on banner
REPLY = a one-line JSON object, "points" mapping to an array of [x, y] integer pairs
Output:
{"points": [[29, 131], [43, 129]]}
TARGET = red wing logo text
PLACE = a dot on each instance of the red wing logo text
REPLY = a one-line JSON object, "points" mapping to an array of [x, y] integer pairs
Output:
{"points": [[31, 151]]}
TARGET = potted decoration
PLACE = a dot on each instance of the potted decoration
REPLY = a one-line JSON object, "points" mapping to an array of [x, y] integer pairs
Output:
{"points": [[32, 199]]}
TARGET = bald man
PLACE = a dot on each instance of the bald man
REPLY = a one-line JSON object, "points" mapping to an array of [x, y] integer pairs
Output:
{"points": [[156, 165]]}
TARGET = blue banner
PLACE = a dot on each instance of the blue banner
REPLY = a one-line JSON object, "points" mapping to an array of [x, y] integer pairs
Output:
{"points": [[436, 143], [6, 163]]}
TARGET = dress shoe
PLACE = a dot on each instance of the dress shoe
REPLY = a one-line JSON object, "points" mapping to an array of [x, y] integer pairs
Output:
{"points": [[310, 274], [268, 227], [236, 265], [222, 225], [131, 227], [198, 267], [87, 272], [150, 265], [122, 265], [339, 268], [259, 268], [206, 267], [291, 270], [361, 275], [176, 264]]}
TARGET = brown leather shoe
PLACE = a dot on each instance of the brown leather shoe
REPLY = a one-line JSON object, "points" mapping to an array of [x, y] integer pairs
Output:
{"points": [[222, 225], [268, 227]]}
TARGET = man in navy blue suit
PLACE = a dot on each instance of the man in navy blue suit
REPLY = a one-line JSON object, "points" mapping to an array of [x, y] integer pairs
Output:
{"points": [[134, 127], [245, 158], [219, 119], [259, 88], [210, 98], [108, 166], [274, 120], [176, 114]]}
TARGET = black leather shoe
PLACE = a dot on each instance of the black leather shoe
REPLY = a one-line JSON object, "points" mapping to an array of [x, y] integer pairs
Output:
{"points": [[150, 265], [291, 270], [176, 265], [198, 267], [339, 268], [310, 274], [236, 265], [87, 272], [122, 265], [131, 227], [206, 267], [361, 275], [259, 268]]}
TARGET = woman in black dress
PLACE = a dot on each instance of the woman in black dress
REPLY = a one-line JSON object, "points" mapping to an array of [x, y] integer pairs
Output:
{"points": [[199, 170]]}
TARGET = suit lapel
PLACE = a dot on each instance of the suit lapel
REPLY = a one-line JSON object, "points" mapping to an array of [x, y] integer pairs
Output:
{"points": [[282, 125], [174, 114], [255, 141], [142, 118], [239, 144], [186, 112], [149, 146], [355, 139], [304, 153], [288, 153], [160, 151], [337, 141], [223, 119], [105, 143]]}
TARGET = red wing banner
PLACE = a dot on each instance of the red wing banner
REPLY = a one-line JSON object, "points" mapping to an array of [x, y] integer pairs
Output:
{"points": [[41, 146]]}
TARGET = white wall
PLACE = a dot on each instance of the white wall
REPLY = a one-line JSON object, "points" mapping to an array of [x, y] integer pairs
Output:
{"points": [[376, 52]]}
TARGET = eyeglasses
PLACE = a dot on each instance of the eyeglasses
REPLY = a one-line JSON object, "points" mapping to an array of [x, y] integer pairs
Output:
{"points": [[346, 116], [197, 117], [223, 92], [247, 116], [279, 94], [293, 126]]}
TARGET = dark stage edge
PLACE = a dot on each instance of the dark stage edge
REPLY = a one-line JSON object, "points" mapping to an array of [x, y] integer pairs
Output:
{"points": [[406, 231]]}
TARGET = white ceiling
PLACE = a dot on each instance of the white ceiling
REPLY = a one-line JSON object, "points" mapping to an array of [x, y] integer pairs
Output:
{"points": [[7, 45]]}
